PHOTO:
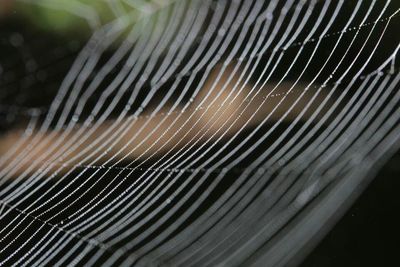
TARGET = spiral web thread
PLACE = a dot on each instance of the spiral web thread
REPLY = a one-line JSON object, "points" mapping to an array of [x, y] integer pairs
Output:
{"points": [[245, 195]]}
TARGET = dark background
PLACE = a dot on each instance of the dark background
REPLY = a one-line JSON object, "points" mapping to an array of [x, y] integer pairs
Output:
{"points": [[368, 234]]}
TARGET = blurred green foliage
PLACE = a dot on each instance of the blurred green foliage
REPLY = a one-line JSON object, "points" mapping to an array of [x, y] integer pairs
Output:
{"points": [[78, 17]]}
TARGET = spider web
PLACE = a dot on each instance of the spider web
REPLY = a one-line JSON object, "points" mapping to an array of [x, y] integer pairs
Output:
{"points": [[199, 133]]}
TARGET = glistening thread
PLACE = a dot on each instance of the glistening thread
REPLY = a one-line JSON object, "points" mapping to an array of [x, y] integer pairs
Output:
{"points": [[202, 133]]}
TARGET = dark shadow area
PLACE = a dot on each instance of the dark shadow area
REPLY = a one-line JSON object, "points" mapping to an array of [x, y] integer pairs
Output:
{"points": [[368, 234]]}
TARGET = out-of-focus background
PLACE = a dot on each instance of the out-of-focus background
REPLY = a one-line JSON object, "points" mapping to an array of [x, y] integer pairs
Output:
{"points": [[38, 43]]}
